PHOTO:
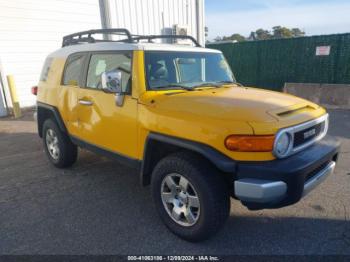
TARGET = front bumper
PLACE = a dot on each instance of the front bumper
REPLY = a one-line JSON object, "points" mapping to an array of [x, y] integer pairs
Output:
{"points": [[283, 182]]}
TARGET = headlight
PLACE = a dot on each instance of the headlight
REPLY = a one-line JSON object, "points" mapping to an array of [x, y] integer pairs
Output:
{"points": [[283, 144]]}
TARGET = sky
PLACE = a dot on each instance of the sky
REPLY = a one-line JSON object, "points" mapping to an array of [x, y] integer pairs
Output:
{"points": [[315, 17]]}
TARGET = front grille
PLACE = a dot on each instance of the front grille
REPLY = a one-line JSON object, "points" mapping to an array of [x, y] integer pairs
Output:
{"points": [[303, 136]]}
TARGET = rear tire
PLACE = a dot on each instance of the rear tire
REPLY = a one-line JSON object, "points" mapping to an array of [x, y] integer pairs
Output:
{"points": [[198, 213], [58, 147]]}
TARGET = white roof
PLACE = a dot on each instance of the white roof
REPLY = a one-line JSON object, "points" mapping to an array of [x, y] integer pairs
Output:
{"points": [[115, 46]]}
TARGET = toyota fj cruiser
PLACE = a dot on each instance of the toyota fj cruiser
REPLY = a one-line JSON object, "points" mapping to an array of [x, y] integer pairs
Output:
{"points": [[176, 114]]}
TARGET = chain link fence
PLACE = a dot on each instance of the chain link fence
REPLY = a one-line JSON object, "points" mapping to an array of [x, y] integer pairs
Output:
{"points": [[271, 63]]}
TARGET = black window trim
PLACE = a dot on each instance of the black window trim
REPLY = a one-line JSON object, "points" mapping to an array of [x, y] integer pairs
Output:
{"points": [[87, 63]]}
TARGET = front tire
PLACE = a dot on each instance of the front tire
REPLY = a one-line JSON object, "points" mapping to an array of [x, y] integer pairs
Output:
{"points": [[58, 147], [191, 197]]}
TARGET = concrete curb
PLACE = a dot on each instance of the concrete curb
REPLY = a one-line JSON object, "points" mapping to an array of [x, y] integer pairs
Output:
{"points": [[328, 95]]}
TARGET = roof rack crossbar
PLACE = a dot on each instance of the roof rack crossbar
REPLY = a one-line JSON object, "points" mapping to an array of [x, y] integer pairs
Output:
{"points": [[80, 36], [151, 37]]}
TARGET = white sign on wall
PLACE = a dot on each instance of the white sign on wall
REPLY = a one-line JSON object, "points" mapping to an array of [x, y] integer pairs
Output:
{"points": [[323, 50]]}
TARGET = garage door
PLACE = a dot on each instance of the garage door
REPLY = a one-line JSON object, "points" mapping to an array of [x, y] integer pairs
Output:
{"points": [[31, 29]]}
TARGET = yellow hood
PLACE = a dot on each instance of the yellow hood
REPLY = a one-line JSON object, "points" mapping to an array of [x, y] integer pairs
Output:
{"points": [[255, 106]]}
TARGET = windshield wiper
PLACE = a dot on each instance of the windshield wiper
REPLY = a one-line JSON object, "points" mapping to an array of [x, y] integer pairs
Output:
{"points": [[175, 86], [216, 84], [229, 82], [192, 88], [208, 84]]}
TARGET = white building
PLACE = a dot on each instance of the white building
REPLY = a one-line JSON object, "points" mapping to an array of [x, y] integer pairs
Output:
{"points": [[31, 29], [154, 17]]}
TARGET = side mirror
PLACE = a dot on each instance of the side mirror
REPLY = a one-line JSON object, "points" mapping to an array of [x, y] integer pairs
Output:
{"points": [[111, 82]]}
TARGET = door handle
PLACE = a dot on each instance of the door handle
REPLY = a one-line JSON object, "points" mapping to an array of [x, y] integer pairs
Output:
{"points": [[85, 102]]}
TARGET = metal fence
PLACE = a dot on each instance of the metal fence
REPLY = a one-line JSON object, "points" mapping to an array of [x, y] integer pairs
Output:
{"points": [[271, 63]]}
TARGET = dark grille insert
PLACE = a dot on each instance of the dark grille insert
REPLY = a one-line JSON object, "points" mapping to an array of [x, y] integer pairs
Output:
{"points": [[307, 134]]}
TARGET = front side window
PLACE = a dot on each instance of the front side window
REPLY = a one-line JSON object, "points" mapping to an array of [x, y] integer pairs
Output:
{"points": [[171, 70], [73, 70], [100, 63]]}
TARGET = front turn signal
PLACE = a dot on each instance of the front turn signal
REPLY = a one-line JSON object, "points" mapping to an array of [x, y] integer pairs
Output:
{"points": [[244, 143]]}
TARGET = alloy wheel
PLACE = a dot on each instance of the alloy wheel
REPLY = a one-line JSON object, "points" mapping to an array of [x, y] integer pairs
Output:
{"points": [[52, 144], [180, 199]]}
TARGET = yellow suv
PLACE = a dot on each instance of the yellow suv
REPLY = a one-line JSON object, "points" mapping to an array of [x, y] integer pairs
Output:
{"points": [[176, 114]]}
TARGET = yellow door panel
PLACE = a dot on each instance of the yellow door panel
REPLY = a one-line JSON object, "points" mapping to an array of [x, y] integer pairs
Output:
{"points": [[68, 105], [106, 125], [101, 122], [69, 91]]}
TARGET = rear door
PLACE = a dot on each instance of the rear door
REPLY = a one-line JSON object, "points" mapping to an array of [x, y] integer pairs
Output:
{"points": [[101, 122], [69, 90]]}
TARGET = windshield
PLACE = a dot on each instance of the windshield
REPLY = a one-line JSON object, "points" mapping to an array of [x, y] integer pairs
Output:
{"points": [[186, 70]]}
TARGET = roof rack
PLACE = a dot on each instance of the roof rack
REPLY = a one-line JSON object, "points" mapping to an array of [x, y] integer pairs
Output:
{"points": [[86, 37], [151, 37]]}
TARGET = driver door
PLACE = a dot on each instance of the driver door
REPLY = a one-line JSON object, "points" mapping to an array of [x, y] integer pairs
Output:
{"points": [[102, 123]]}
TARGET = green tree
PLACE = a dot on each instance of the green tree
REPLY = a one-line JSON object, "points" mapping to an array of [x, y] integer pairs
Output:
{"points": [[218, 39], [282, 32], [234, 37], [297, 32], [262, 34], [252, 36]]}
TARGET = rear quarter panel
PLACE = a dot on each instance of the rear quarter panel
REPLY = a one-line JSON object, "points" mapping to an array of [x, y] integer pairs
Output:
{"points": [[64, 98]]}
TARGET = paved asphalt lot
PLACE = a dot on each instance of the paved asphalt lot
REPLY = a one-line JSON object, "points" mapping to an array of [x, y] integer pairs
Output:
{"points": [[98, 207]]}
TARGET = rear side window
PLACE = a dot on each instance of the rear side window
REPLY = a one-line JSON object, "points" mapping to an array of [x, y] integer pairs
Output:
{"points": [[73, 70], [46, 69], [100, 63]]}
